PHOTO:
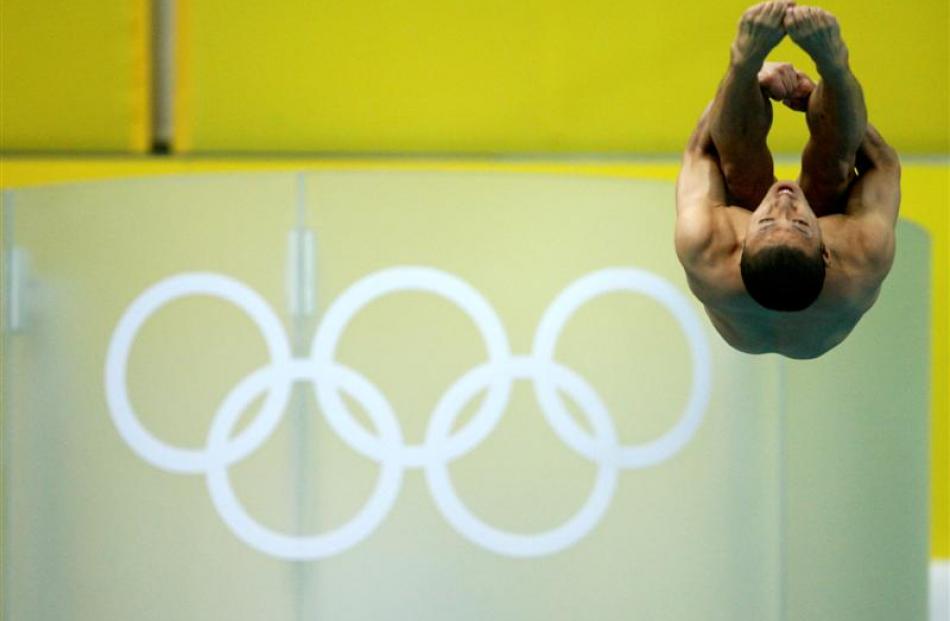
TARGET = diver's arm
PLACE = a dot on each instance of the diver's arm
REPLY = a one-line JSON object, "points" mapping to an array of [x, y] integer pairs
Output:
{"points": [[876, 192], [700, 188], [874, 200], [781, 81]]}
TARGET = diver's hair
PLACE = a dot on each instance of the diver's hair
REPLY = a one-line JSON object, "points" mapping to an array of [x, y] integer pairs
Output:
{"points": [[783, 278]]}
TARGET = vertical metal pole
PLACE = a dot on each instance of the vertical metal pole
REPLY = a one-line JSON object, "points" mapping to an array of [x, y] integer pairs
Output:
{"points": [[163, 74], [302, 308], [6, 402]]}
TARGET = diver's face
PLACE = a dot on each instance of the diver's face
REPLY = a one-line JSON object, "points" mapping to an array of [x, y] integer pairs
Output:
{"points": [[784, 217]]}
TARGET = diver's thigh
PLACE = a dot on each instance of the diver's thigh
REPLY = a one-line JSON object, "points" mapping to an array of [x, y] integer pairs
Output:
{"points": [[825, 178], [749, 173]]}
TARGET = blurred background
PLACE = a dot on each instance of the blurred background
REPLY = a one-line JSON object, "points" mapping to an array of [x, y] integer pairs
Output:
{"points": [[519, 145]]}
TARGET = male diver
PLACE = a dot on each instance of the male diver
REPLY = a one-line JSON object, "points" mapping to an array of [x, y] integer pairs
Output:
{"points": [[782, 266]]}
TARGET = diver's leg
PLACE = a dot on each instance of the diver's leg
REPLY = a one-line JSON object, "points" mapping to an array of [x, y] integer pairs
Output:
{"points": [[741, 114], [836, 115]]}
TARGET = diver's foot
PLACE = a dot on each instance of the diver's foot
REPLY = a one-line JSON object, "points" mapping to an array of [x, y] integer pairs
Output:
{"points": [[761, 28], [816, 31], [783, 82]]}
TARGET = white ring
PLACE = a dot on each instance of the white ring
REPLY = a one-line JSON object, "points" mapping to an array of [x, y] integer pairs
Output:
{"points": [[387, 447], [140, 439], [277, 544], [636, 281], [392, 280], [478, 531]]}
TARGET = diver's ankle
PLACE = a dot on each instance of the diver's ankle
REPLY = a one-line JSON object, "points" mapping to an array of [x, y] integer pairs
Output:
{"points": [[744, 63], [834, 67]]}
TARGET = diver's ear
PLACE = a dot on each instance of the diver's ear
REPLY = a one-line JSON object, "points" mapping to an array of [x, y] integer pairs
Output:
{"points": [[825, 254]]}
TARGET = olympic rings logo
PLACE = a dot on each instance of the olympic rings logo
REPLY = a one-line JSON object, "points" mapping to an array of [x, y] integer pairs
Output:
{"points": [[441, 446]]}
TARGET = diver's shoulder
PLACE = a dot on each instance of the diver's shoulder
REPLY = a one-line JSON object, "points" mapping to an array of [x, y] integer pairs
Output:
{"points": [[861, 254], [712, 268], [704, 244], [851, 290]]}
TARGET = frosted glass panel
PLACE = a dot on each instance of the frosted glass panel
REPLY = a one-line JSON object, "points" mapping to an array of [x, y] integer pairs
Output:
{"points": [[858, 458], [396, 395]]}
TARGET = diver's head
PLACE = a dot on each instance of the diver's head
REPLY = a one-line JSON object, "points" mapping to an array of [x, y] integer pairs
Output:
{"points": [[783, 258]]}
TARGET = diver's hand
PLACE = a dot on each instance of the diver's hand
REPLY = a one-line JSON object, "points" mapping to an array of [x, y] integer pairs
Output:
{"points": [[783, 82]]}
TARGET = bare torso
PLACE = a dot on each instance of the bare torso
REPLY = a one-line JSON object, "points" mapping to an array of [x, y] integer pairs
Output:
{"points": [[850, 290], [843, 207]]}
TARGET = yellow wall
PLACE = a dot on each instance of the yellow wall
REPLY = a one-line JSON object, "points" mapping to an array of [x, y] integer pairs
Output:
{"points": [[463, 76], [498, 76], [74, 76]]}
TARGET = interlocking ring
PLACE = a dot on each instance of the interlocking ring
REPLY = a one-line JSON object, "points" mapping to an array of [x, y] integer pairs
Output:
{"points": [[441, 445], [477, 531], [316, 546], [150, 448], [392, 280], [634, 281]]}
